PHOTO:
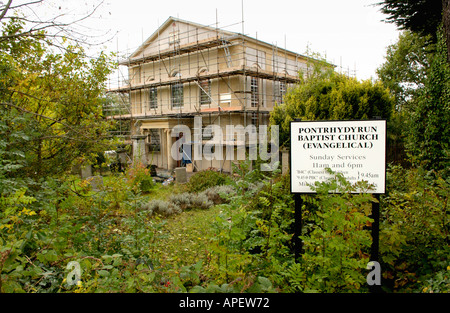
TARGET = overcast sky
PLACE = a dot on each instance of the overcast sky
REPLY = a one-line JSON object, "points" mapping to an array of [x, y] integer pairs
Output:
{"points": [[348, 32]]}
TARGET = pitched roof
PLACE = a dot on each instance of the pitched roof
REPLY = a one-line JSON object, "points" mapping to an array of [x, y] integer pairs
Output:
{"points": [[169, 22]]}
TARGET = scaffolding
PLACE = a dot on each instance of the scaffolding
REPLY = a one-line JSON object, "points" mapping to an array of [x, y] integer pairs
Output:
{"points": [[195, 70]]}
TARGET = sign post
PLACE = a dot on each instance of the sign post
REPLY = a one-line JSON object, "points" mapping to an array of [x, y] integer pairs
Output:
{"points": [[297, 225], [357, 149]]}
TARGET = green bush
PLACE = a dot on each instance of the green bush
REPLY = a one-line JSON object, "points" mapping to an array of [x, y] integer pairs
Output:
{"points": [[205, 179], [162, 207], [139, 178], [336, 242], [414, 227], [180, 202]]}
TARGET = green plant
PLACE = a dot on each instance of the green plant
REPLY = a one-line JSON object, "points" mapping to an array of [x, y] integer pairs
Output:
{"points": [[203, 180], [414, 227], [438, 283], [335, 240], [219, 194], [428, 131], [250, 233], [139, 178], [162, 207], [329, 95]]}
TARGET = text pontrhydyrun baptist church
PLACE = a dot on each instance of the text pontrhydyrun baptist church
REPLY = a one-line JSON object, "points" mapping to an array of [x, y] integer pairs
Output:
{"points": [[338, 137]]}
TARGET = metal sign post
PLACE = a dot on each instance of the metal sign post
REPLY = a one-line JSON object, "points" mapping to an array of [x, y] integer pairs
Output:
{"points": [[297, 225]]}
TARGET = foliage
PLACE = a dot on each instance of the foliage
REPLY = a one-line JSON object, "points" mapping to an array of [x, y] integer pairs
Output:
{"points": [[235, 237], [421, 17], [57, 95], [185, 201], [439, 283], [405, 70], [13, 143], [139, 178], [329, 95], [162, 207], [428, 135], [335, 241], [242, 244], [206, 179], [404, 73], [414, 232]]}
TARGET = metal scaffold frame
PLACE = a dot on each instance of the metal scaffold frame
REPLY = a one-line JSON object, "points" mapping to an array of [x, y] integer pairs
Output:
{"points": [[218, 73]]}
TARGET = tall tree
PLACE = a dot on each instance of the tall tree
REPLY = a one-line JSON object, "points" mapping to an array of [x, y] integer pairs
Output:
{"points": [[405, 69], [58, 97], [421, 16], [428, 132], [325, 94]]}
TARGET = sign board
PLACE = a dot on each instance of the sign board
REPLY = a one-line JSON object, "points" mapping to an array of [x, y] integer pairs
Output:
{"points": [[357, 149]]}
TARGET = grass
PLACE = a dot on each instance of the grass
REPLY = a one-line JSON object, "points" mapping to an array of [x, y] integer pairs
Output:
{"points": [[186, 237]]}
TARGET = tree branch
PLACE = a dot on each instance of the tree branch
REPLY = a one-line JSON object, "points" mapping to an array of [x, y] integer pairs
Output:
{"points": [[62, 29], [5, 9], [25, 4]]}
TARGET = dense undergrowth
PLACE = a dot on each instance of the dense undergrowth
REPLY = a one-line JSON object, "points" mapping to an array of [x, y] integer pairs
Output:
{"points": [[235, 236]]}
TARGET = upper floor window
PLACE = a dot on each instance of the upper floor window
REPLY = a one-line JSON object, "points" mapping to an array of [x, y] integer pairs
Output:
{"points": [[177, 91], [205, 92], [153, 101], [177, 95], [175, 73]]}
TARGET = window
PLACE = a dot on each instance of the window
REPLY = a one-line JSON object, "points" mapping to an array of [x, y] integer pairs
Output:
{"points": [[282, 91], [175, 73], [255, 121], [209, 151], [177, 91], [254, 92], [205, 92], [154, 140], [153, 92], [279, 91], [207, 133], [177, 95]]}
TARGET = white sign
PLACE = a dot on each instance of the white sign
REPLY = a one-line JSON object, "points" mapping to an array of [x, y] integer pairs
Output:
{"points": [[357, 149]]}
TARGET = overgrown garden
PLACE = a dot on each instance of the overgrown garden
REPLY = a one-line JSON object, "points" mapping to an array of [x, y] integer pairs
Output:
{"points": [[218, 232]]}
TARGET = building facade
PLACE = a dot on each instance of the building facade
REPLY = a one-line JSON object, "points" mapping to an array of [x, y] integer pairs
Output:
{"points": [[185, 70]]}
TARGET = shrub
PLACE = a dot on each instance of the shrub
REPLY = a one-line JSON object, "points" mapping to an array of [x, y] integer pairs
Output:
{"points": [[337, 242], [219, 194], [201, 201], [414, 227], [206, 179], [183, 200], [139, 178], [162, 207]]}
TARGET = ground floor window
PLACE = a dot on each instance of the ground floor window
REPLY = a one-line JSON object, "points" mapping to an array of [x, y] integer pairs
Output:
{"points": [[254, 92], [154, 140]]}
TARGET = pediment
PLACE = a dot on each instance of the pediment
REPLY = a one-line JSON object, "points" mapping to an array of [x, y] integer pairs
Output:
{"points": [[176, 32]]}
